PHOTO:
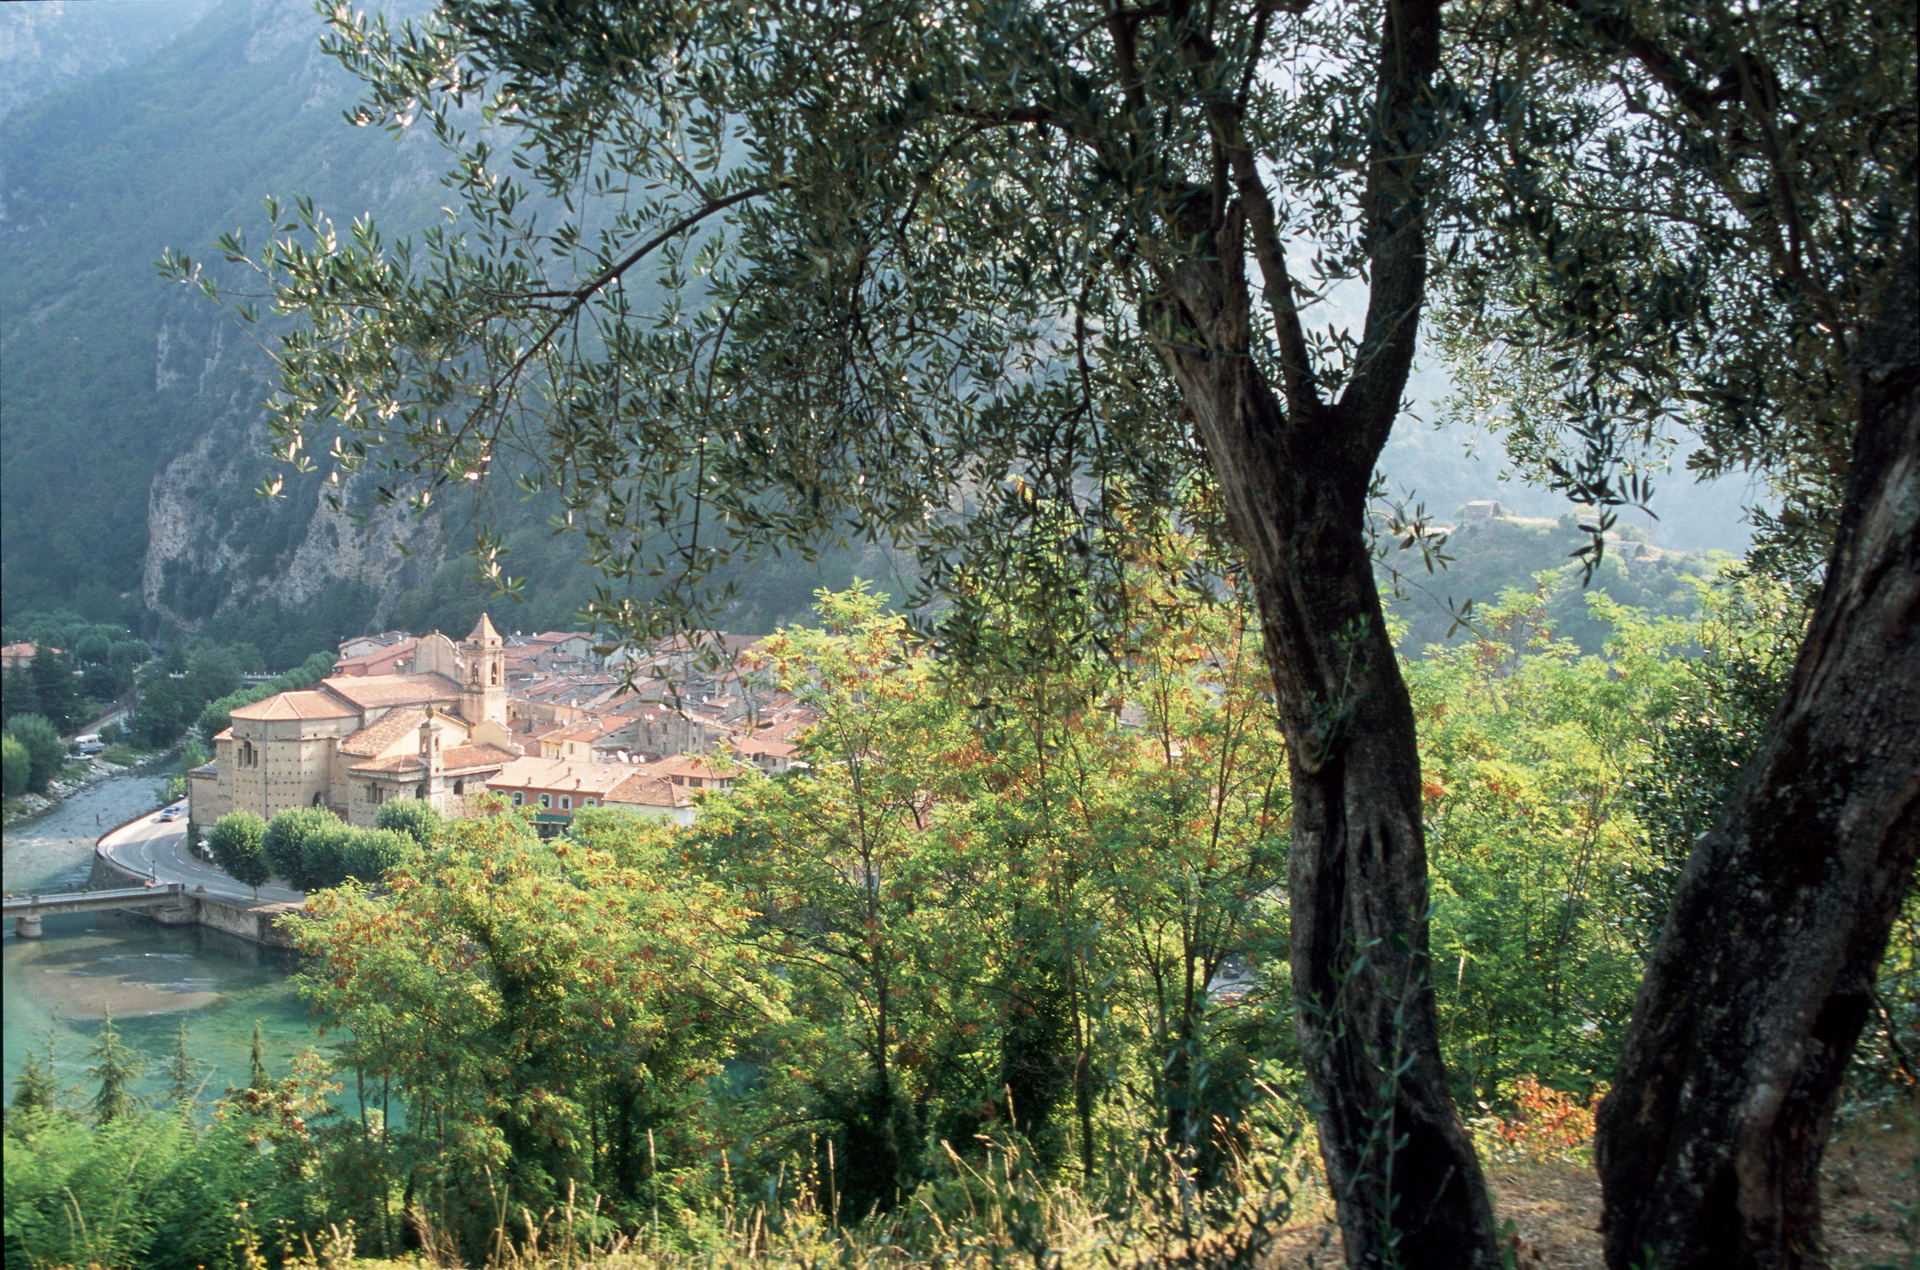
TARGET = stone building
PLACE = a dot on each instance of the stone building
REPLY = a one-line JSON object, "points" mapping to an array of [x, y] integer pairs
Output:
{"points": [[435, 734]]}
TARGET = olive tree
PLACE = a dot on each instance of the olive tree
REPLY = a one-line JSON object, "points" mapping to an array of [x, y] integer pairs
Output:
{"points": [[752, 277], [747, 277], [1713, 237]]}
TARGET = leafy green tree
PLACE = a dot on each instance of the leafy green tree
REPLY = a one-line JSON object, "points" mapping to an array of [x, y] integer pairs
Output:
{"points": [[238, 846], [370, 853], [115, 1068], [36, 1088], [53, 686], [183, 1086], [257, 1078], [844, 862], [324, 853], [99, 683], [550, 1011], [284, 843], [163, 712], [15, 765], [94, 649], [901, 331], [418, 820], [46, 752], [944, 258], [1701, 242], [17, 695]]}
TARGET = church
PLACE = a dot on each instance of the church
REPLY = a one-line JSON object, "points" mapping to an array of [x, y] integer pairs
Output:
{"points": [[435, 733]]}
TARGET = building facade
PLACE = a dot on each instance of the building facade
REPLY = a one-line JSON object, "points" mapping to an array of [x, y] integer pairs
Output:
{"points": [[434, 734]]}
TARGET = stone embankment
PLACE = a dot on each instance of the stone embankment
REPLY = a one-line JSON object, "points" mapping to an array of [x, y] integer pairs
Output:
{"points": [[258, 923]]}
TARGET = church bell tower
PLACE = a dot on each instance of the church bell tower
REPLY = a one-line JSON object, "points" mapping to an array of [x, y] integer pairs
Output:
{"points": [[483, 693]]}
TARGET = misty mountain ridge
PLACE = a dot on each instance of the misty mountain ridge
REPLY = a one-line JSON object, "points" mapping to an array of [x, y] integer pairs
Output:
{"points": [[131, 438]]}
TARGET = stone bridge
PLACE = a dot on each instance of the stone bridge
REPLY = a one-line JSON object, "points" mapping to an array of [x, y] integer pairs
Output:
{"points": [[27, 910]]}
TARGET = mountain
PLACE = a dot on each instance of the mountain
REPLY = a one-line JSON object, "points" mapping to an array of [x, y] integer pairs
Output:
{"points": [[53, 43], [130, 438]]}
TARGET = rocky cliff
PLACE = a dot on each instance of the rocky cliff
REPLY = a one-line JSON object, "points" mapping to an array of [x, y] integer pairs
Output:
{"points": [[131, 441]]}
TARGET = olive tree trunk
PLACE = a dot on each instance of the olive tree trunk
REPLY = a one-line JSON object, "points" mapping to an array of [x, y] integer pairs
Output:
{"points": [[1709, 1147], [1294, 470]]}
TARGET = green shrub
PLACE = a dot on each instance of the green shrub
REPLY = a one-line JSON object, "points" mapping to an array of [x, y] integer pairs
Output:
{"points": [[418, 820], [46, 752], [285, 842], [371, 852], [235, 841], [15, 765]]}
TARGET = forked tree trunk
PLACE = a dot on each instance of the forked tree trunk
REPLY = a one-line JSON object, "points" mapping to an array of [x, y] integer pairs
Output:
{"points": [[1709, 1147], [1294, 482]]}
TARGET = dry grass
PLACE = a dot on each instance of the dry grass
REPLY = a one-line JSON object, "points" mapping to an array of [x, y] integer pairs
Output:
{"points": [[1872, 1195]]}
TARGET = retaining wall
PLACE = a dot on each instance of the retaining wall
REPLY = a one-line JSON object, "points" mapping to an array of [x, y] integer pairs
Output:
{"points": [[257, 923]]}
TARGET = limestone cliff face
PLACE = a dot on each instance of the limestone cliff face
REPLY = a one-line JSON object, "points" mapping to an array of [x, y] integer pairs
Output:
{"points": [[213, 543], [132, 406]]}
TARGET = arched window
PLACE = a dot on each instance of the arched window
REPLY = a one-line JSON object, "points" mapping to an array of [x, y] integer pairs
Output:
{"points": [[459, 787], [316, 800], [496, 674]]}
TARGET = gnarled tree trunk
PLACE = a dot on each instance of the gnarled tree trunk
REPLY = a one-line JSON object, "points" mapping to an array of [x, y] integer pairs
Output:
{"points": [[1710, 1145], [1294, 479]]}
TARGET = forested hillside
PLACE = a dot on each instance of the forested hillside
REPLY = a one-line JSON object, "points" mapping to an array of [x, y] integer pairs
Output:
{"points": [[129, 424], [113, 378]]}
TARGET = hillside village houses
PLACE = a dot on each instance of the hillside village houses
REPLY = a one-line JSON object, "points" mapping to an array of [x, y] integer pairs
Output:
{"points": [[537, 720]]}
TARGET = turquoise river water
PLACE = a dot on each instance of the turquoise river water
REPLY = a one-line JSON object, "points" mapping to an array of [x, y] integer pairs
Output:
{"points": [[58, 988]]}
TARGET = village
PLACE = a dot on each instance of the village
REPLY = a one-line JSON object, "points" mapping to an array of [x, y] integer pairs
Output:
{"points": [[544, 721]]}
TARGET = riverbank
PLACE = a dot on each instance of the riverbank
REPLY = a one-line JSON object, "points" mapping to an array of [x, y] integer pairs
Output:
{"points": [[150, 976], [86, 773]]}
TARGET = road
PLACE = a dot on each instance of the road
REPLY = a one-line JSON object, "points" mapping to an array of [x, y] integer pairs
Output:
{"points": [[158, 849]]}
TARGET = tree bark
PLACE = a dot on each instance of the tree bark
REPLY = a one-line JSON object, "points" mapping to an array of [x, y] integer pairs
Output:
{"points": [[1709, 1147], [1294, 481]]}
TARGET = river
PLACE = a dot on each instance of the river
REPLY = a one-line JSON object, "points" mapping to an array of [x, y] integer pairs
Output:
{"points": [[151, 976]]}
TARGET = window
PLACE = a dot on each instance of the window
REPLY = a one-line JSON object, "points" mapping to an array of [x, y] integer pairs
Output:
{"points": [[591, 802], [316, 800], [374, 793], [566, 802], [459, 787], [546, 800], [519, 799]]}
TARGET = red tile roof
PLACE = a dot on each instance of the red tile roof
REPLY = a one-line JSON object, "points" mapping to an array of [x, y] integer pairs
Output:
{"points": [[296, 705], [376, 691], [391, 726], [472, 758]]}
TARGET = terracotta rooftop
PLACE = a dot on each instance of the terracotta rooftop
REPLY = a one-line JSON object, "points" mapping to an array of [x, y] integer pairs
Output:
{"points": [[377, 691], [393, 725], [296, 705], [560, 775], [381, 661], [469, 758], [398, 765], [644, 789]]}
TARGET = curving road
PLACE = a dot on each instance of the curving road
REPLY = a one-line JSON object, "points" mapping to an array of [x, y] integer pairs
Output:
{"points": [[158, 849]]}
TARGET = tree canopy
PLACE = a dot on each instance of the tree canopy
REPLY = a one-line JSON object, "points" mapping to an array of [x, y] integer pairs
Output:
{"points": [[740, 279]]}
